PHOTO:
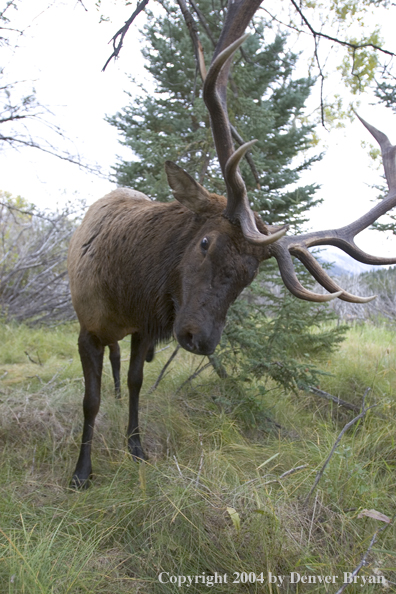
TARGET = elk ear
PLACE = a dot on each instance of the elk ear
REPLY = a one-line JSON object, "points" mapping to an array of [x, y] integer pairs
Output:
{"points": [[186, 190]]}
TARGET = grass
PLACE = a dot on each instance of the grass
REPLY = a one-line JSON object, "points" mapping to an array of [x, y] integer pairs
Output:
{"points": [[211, 498]]}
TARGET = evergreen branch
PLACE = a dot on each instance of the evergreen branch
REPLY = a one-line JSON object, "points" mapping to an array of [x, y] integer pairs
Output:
{"points": [[118, 38]]}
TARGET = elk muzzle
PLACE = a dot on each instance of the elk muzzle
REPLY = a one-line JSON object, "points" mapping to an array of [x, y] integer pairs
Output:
{"points": [[197, 339]]}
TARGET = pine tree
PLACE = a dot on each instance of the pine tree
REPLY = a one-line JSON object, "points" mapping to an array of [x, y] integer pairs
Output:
{"points": [[268, 332]]}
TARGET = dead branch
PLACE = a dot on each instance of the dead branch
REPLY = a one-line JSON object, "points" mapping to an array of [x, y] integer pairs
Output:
{"points": [[338, 401], [203, 23], [165, 367], [32, 360], [118, 38], [236, 136], [33, 274], [193, 30], [15, 141], [337, 441], [194, 375], [354, 46], [363, 562]]}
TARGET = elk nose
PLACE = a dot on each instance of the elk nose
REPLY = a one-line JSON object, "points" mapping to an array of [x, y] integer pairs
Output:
{"points": [[195, 342]]}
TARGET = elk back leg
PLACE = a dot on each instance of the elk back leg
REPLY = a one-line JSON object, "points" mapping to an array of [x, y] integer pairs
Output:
{"points": [[115, 360], [91, 353], [139, 350]]}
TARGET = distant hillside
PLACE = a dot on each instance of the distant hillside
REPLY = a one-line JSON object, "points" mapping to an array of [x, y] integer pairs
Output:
{"points": [[342, 263]]}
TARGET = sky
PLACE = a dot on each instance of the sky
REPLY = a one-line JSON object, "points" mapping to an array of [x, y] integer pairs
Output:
{"points": [[62, 52]]}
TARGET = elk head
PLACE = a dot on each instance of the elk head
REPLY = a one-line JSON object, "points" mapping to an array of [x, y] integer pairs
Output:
{"points": [[225, 255]]}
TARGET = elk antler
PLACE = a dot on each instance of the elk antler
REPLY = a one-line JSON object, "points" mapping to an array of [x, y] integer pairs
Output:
{"points": [[238, 209], [342, 238]]}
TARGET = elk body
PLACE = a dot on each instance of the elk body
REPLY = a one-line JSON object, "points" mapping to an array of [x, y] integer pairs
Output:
{"points": [[151, 270], [154, 270]]}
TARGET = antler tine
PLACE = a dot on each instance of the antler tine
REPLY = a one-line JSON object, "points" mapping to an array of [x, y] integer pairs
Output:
{"points": [[291, 281], [339, 238], [218, 114], [342, 238], [237, 208], [245, 215], [323, 278]]}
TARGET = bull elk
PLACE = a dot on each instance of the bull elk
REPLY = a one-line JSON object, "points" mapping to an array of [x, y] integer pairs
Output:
{"points": [[154, 270]]}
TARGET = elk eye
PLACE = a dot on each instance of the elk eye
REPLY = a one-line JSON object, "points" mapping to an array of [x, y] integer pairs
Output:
{"points": [[205, 244]]}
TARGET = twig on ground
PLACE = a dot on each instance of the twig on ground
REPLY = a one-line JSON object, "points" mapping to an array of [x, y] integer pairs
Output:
{"points": [[200, 462], [33, 459], [163, 349], [363, 561], [292, 471], [165, 367], [178, 467], [194, 375], [333, 449], [338, 401], [32, 360], [287, 473], [312, 519]]}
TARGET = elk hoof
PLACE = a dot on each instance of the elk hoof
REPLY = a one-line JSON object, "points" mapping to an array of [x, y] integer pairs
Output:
{"points": [[136, 451], [80, 481]]}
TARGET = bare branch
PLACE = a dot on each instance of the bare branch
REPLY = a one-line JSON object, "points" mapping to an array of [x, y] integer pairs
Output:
{"points": [[118, 38], [199, 370], [33, 275], [337, 441], [236, 136], [363, 562], [338, 401], [12, 140], [203, 23], [193, 30], [354, 46], [165, 367]]}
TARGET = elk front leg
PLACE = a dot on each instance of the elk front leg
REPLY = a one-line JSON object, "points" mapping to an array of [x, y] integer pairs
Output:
{"points": [[91, 354], [139, 351], [115, 360]]}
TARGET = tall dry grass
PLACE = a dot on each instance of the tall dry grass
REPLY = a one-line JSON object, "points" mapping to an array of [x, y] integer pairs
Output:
{"points": [[216, 494]]}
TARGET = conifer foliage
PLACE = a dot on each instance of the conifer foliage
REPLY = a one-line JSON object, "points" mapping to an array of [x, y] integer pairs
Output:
{"points": [[269, 333]]}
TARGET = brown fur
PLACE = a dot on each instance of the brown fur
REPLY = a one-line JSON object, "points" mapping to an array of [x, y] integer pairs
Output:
{"points": [[125, 262], [139, 267]]}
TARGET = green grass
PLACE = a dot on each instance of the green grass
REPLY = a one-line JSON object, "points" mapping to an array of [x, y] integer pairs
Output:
{"points": [[213, 447]]}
